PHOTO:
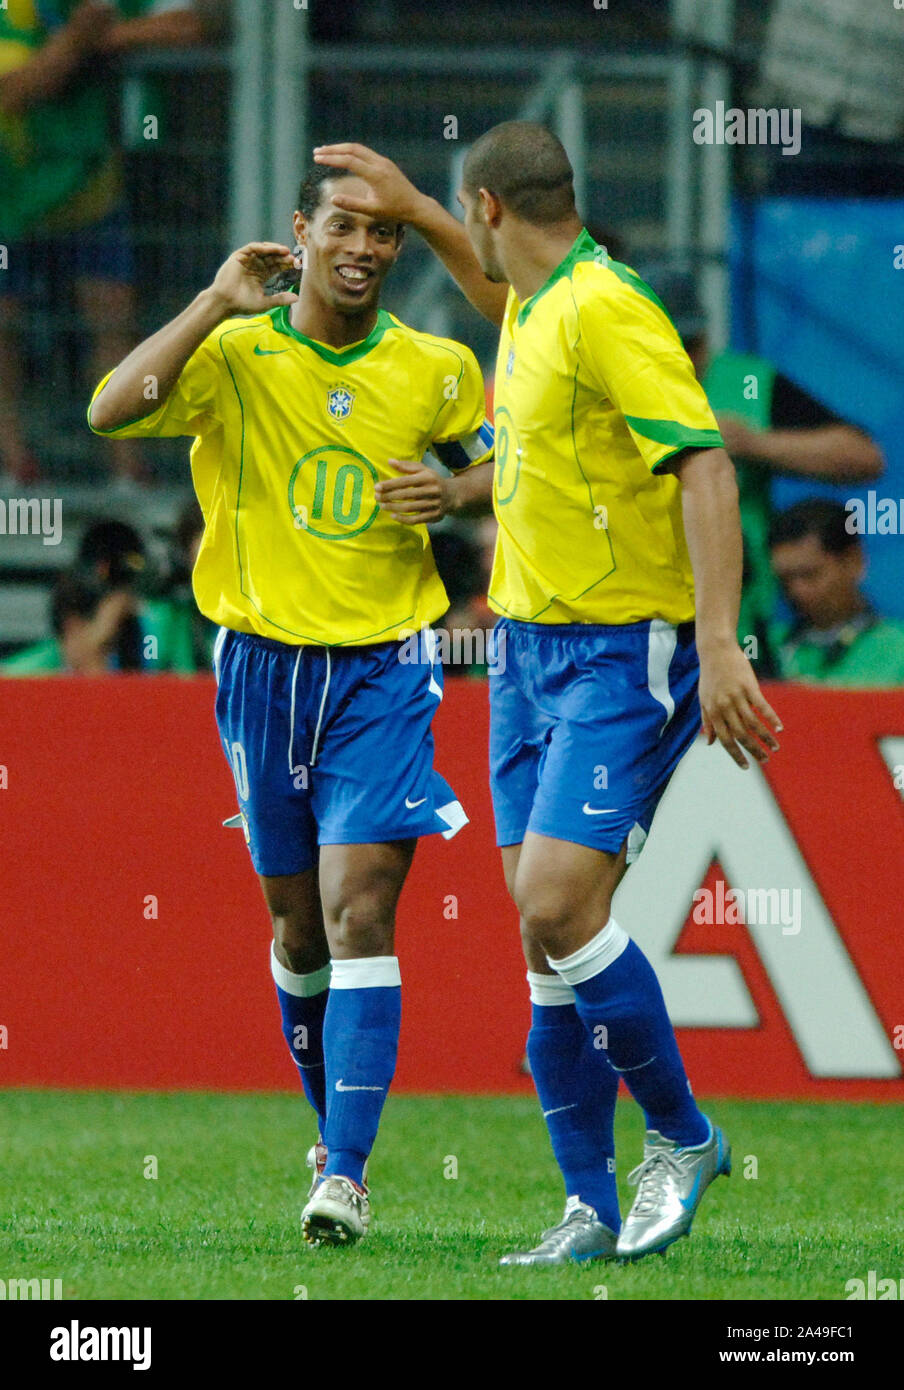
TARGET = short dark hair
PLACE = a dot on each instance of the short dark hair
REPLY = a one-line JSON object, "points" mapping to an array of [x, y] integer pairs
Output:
{"points": [[526, 166], [311, 191], [814, 516]]}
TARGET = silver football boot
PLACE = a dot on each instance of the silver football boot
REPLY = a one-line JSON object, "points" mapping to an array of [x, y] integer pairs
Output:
{"points": [[338, 1213], [670, 1184], [579, 1236]]}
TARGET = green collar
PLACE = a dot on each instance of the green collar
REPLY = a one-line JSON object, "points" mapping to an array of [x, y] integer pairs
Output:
{"points": [[584, 248], [338, 356]]}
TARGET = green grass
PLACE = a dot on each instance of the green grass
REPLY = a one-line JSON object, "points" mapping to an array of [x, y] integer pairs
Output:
{"points": [[221, 1219]]}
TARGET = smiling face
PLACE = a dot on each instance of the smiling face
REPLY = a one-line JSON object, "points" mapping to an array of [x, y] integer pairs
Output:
{"points": [[347, 254]]}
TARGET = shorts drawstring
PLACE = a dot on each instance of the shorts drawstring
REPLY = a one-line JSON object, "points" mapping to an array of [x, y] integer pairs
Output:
{"points": [[326, 686], [292, 713]]}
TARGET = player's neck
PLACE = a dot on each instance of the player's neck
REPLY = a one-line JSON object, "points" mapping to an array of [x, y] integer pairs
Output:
{"points": [[534, 252], [310, 316]]}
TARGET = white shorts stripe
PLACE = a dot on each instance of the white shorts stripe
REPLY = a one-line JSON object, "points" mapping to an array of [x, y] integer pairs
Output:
{"points": [[663, 641]]}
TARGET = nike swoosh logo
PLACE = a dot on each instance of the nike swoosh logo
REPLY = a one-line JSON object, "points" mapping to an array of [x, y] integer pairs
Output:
{"points": [[558, 1108], [268, 352], [689, 1202], [590, 811], [340, 1087], [412, 804], [307, 1066]]}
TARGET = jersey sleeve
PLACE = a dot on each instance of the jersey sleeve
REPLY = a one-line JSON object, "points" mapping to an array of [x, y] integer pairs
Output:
{"points": [[191, 406], [461, 434], [631, 353]]}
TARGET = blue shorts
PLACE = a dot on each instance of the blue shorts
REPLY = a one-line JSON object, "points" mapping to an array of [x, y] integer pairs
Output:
{"points": [[587, 724], [102, 251], [330, 745]]}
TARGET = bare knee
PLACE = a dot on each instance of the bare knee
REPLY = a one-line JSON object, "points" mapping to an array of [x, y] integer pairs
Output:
{"points": [[557, 920], [296, 949], [299, 940], [362, 923], [548, 925]]}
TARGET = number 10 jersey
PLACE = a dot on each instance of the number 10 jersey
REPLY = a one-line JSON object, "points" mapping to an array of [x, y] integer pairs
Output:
{"points": [[291, 436]]}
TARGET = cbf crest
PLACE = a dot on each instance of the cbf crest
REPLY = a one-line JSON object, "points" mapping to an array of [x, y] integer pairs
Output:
{"points": [[510, 362], [339, 401]]}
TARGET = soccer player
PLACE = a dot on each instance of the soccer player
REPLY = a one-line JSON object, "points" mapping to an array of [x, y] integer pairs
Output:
{"points": [[618, 560], [302, 406]]}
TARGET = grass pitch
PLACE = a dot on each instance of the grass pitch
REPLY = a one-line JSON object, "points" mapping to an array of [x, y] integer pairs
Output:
{"points": [[814, 1200]]}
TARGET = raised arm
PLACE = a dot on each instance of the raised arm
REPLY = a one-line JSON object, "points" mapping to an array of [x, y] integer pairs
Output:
{"points": [[171, 29], [394, 196], [733, 708], [835, 453], [237, 289], [52, 66]]}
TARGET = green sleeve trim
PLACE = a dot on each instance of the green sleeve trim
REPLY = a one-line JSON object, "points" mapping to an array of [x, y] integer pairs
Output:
{"points": [[130, 424], [671, 432]]}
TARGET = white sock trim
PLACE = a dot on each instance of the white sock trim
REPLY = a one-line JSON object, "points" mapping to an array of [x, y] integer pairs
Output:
{"points": [[302, 986], [549, 990], [369, 972], [600, 951]]}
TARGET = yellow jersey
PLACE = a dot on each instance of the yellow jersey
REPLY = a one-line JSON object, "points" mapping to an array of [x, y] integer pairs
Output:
{"points": [[290, 437], [594, 393]]}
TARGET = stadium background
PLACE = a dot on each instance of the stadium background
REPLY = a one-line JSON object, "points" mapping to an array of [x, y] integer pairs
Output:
{"points": [[115, 787]]}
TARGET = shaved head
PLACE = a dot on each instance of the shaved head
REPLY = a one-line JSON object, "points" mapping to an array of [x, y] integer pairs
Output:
{"points": [[525, 166]]}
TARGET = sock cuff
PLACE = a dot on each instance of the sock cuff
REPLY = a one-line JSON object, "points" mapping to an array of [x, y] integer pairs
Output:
{"points": [[549, 990], [600, 951], [369, 972], [302, 986]]}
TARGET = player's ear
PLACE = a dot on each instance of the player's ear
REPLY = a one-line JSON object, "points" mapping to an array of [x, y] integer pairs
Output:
{"points": [[399, 237], [299, 227], [491, 206]]}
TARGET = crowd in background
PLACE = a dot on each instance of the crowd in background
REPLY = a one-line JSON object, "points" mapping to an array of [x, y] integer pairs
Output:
{"points": [[122, 607]]}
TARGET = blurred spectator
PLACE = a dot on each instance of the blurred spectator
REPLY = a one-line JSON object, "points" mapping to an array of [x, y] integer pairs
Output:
{"points": [[89, 624], [112, 556], [117, 610], [770, 426], [62, 211], [181, 637], [836, 636]]}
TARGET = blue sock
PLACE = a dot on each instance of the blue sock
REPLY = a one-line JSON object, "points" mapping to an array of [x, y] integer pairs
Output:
{"points": [[577, 1095], [620, 1002], [360, 1042], [302, 1003]]}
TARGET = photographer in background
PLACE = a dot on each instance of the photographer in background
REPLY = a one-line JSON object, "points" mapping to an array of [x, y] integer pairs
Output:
{"points": [[89, 624], [118, 609], [836, 636], [182, 637]]}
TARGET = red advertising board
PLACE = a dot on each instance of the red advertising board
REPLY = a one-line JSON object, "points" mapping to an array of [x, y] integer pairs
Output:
{"points": [[134, 941]]}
